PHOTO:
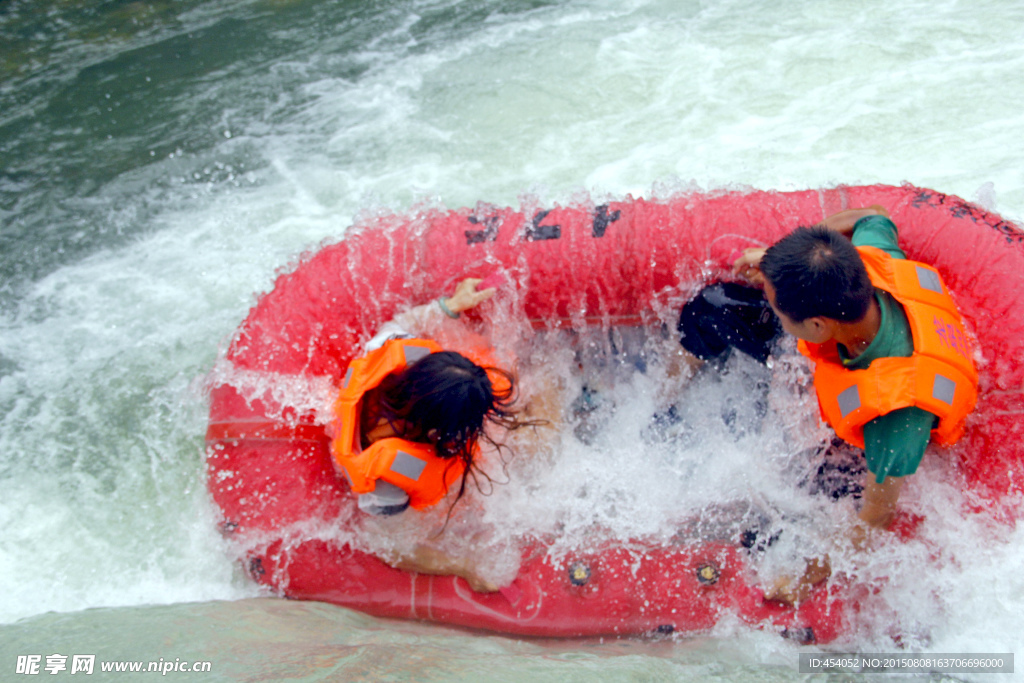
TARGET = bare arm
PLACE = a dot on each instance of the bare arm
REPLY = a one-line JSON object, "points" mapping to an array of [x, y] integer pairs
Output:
{"points": [[421, 317], [749, 264], [876, 513], [878, 509], [844, 221]]}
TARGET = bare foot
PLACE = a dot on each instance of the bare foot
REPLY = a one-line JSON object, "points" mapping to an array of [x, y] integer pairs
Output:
{"points": [[479, 584], [790, 591]]}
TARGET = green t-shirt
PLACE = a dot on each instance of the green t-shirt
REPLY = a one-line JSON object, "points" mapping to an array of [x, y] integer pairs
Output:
{"points": [[893, 443]]}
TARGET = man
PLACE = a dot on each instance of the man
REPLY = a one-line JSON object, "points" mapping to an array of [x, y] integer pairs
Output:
{"points": [[893, 366]]}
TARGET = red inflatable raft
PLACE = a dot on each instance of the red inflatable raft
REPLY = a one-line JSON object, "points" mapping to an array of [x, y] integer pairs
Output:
{"points": [[271, 475]]}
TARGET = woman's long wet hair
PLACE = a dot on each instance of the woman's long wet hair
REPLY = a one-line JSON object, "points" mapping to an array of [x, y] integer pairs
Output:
{"points": [[446, 400]]}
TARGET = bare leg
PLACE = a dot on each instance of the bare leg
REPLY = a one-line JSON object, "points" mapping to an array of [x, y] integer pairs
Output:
{"points": [[427, 560]]}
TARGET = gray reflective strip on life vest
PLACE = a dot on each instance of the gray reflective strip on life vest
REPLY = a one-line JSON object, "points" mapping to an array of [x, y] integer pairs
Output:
{"points": [[408, 465], [414, 353], [944, 389], [929, 279], [849, 400], [348, 378]]}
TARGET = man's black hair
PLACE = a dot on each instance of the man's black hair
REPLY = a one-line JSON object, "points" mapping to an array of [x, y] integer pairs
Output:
{"points": [[818, 272]]}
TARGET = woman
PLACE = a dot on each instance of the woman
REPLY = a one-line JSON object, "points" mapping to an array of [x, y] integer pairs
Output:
{"points": [[409, 421]]}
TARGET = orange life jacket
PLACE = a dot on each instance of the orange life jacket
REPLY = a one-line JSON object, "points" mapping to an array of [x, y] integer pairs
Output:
{"points": [[939, 377], [413, 467]]}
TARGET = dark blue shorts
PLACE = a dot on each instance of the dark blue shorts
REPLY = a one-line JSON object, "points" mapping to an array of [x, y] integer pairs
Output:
{"points": [[725, 316]]}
